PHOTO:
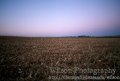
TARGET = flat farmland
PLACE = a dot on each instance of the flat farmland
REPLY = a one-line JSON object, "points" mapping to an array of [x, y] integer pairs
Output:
{"points": [[37, 59]]}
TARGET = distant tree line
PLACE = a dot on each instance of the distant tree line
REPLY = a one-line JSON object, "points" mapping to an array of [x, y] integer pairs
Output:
{"points": [[84, 36]]}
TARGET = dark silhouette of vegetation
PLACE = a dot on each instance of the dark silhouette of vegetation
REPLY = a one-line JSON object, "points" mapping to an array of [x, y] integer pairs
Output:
{"points": [[84, 36]]}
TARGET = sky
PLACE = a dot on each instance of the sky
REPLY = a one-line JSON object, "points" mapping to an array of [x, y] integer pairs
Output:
{"points": [[39, 18]]}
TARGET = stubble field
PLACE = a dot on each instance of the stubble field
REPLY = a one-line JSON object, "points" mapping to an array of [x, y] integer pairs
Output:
{"points": [[31, 59]]}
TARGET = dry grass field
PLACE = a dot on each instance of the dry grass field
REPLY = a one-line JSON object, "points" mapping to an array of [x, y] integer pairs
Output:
{"points": [[30, 59]]}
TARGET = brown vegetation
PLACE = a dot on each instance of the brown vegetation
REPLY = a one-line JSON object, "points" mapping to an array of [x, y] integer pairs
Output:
{"points": [[29, 59]]}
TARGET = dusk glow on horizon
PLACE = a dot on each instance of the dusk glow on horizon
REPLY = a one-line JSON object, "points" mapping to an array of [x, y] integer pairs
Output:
{"points": [[59, 17]]}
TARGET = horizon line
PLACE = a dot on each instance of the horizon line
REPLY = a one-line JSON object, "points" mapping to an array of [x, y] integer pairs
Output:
{"points": [[79, 36]]}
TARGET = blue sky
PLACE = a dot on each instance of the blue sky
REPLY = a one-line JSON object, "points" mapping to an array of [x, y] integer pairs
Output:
{"points": [[59, 17]]}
